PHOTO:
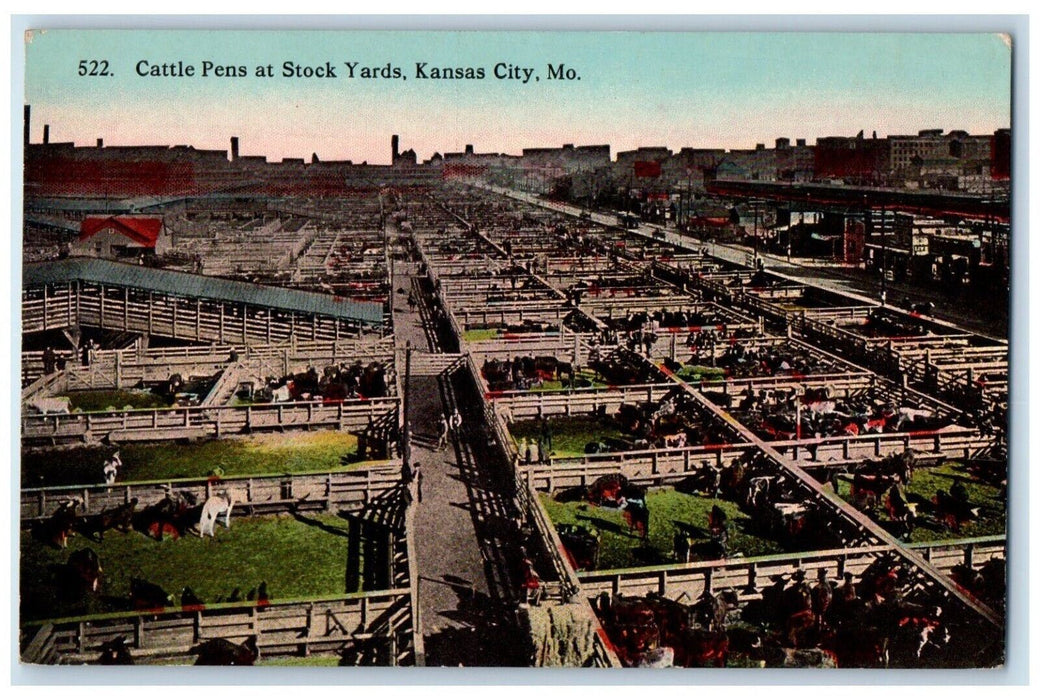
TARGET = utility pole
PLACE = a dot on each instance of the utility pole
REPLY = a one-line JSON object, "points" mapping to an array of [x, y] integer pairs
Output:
{"points": [[754, 202], [407, 451], [884, 258]]}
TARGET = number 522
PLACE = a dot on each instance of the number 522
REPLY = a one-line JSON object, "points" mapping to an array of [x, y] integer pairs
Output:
{"points": [[93, 68]]}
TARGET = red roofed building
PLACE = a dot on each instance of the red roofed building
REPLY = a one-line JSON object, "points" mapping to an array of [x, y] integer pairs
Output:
{"points": [[115, 237]]}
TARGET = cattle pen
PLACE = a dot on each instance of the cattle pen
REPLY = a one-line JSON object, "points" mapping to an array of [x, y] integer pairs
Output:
{"points": [[503, 433]]}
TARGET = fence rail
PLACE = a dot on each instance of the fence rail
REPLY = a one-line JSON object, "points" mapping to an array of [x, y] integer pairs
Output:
{"points": [[204, 421], [282, 628], [252, 494], [748, 576]]}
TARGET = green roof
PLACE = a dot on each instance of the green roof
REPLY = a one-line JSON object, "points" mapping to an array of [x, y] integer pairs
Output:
{"points": [[199, 286]]}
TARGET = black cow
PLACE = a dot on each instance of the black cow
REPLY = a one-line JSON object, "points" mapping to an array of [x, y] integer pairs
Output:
{"points": [[56, 529], [221, 652], [122, 517], [145, 595], [114, 652]]}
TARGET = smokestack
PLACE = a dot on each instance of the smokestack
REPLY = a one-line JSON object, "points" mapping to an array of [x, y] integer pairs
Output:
{"points": [[25, 126], [234, 148], [101, 143], [394, 145], [469, 149], [46, 133]]}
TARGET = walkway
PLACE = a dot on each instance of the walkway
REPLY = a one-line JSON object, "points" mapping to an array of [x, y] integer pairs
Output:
{"points": [[463, 522]]}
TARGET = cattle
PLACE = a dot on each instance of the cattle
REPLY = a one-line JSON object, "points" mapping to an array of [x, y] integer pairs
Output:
{"points": [[797, 607], [83, 571], [925, 308], [115, 652], [711, 610], [145, 595], [121, 517], [792, 521], [901, 512], [953, 512], [582, 545], [717, 527], [221, 652], [56, 529], [213, 508], [189, 599], [172, 515], [703, 648], [867, 489], [637, 515], [613, 491], [283, 393]]}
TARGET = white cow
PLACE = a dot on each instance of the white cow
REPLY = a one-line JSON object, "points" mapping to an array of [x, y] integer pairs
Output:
{"points": [[111, 468], [213, 508]]}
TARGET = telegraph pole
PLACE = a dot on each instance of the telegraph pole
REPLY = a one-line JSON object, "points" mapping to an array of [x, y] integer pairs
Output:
{"points": [[407, 451]]}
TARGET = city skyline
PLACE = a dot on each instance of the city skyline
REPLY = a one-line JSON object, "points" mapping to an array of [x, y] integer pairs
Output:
{"points": [[631, 93]]}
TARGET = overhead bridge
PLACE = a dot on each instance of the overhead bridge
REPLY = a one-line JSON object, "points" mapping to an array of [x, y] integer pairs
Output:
{"points": [[135, 298], [930, 203]]}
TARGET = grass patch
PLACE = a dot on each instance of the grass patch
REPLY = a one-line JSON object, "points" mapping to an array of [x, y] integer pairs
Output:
{"points": [[670, 512], [114, 399], [992, 517], [583, 379], [312, 660], [477, 334], [570, 434], [269, 453], [297, 559], [696, 373]]}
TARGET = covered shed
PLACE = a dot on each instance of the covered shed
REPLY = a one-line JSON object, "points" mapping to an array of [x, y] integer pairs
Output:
{"points": [[120, 237]]}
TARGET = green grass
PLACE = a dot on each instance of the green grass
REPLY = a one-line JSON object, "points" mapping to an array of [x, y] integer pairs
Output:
{"points": [[569, 435], [585, 378], [313, 660], [669, 509], [477, 334], [114, 399], [923, 486], [696, 373], [296, 559], [273, 453]]}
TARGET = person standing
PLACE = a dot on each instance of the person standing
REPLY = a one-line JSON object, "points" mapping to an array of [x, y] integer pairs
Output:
{"points": [[456, 422], [48, 360], [442, 439], [418, 483]]}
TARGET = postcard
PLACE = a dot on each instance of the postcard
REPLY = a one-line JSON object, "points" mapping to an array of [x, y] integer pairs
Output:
{"points": [[515, 348]]}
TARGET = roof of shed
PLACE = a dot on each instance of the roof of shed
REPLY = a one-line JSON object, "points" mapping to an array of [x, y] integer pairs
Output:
{"points": [[199, 286]]}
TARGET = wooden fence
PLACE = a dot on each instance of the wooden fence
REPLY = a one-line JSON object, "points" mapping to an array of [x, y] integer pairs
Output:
{"points": [[155, 313], [379, 620], [520, 405], [649, 467], [749, 576], [204, 421], [259, 494]]}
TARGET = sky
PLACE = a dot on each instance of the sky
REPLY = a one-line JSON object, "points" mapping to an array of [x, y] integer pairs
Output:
{"points": [[629, 89]]}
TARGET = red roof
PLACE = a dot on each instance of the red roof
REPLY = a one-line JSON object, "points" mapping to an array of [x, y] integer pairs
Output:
{"points": [[143, 230]]}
